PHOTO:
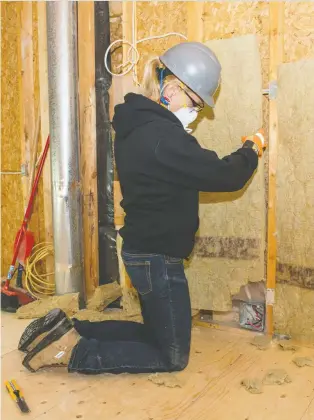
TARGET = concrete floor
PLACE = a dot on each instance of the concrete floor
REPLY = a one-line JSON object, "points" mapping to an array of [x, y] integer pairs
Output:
{"points": [[209, 389]]}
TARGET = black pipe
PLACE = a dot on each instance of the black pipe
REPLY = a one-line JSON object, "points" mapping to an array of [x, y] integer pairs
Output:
{"points": [[108, 260]]}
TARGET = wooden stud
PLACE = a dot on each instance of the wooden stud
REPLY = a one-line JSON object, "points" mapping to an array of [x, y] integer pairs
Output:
{"points": [[27, 93], [118, 210], [44, 126], [195, 24], [127, 31], [276, 29], [86, 47]]}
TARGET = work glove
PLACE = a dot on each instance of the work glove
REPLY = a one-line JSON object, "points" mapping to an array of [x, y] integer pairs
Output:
{"points": [[257, 141]]}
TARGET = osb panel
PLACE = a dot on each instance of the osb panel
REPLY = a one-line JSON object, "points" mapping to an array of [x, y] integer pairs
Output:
{"points": [[299, 31], [11, 188], [37, 223], [115, 10], [295, 195], [230, 246], [155, 18]]}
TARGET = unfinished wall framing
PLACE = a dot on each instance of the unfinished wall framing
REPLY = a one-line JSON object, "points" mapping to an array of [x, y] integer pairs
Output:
{"points": [[227, 20], [216, 21]]}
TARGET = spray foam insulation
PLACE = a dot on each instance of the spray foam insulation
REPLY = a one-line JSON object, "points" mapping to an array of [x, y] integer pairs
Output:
{"points": [[229, 249], [294, 308]]}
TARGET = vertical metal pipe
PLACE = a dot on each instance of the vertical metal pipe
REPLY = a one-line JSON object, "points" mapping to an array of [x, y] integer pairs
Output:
{"points": [[64, 135]]}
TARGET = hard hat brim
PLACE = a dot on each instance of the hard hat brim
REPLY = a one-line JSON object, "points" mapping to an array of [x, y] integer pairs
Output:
{"points": [[209, 100]]}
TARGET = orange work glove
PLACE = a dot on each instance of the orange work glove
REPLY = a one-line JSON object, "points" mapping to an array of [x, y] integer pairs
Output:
{"points": [[258, 139]]}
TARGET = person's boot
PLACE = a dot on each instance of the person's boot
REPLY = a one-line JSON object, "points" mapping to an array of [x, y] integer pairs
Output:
{"points": [[55, 348], [38, 329]]}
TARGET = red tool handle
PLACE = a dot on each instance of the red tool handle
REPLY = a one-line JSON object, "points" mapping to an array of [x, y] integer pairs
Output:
{"points": [[27, 213]]}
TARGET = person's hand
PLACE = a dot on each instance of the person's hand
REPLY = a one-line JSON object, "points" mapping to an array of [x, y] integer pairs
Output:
{"points": [[259, 141]]}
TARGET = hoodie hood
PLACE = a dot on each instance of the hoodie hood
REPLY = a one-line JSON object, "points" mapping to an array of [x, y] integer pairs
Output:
{"points": [[136, 111]]}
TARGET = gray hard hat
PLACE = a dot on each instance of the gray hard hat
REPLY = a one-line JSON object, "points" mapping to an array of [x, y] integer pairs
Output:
{"points": [[196, 66]]}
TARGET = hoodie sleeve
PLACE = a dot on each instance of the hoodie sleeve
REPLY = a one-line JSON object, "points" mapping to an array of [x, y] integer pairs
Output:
{"points": [[183, 161]]}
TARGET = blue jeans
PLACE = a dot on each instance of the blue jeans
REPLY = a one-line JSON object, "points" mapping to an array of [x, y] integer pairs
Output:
{"points": [[161, 344]]}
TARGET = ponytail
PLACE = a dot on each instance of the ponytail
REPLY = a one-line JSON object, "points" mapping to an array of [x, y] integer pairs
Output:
{"points": [[150, 83]]}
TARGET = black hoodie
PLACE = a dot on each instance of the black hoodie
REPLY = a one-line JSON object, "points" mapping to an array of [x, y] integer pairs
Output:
{"points": [[161, 169]]}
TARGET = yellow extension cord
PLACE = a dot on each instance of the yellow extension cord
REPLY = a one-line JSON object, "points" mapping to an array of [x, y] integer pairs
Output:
{"points": [[39, 285]]}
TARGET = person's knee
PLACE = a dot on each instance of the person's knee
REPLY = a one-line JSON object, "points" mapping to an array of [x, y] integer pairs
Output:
{"points": [[179, 362]]}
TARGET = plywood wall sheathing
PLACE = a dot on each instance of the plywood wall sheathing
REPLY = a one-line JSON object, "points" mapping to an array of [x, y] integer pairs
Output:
{"points": [[86, 46], [11, 185], [28, 93], [115, 11], [159, 18], [37, 223]]}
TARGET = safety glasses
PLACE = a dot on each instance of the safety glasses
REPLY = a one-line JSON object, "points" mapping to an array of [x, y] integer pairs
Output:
{"points": [[196, 106]]}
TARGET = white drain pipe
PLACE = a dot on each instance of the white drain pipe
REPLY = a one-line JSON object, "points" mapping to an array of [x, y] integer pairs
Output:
{"points": [[64, 146]]}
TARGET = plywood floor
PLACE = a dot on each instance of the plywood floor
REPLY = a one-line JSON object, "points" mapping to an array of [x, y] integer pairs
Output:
{"points": [[210, 387]]}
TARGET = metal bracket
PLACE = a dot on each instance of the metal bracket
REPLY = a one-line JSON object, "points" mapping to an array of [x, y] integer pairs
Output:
{"points": [[271, 92], [24, 169], [270, 297]]}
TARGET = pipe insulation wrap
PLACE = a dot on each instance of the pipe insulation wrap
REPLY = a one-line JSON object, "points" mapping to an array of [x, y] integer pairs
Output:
{"points": [[108, 260], [65, 150]]}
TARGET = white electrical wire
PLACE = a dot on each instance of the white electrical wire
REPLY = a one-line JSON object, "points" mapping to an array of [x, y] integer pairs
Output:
{"points": [[10, 173], [133, 55]]}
